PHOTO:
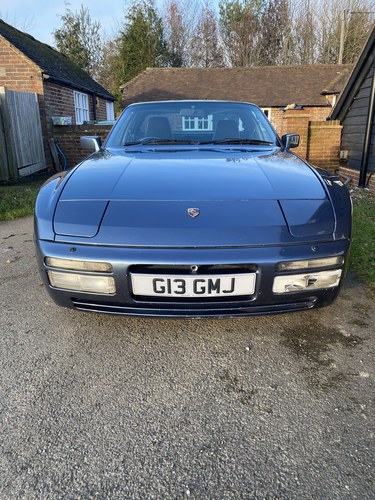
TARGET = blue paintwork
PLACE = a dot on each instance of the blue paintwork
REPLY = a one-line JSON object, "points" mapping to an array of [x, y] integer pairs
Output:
{"points": [[148, 195], [258, 205], [79, 218], [195, 175], [307, 218]]}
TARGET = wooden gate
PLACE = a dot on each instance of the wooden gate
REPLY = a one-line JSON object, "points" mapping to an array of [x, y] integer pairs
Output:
{"points": [[21, 139]]}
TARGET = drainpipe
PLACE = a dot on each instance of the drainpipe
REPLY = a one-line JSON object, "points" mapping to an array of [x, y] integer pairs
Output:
{"points": [[368, 133], [94, 106]]}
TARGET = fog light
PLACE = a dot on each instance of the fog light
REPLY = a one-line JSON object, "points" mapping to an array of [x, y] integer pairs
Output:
{"points": [[82, 282], [304, 282], [295, 265], [79, 265]]}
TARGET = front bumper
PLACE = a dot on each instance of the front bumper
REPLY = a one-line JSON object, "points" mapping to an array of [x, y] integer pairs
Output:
{"points": [[261, 260]]}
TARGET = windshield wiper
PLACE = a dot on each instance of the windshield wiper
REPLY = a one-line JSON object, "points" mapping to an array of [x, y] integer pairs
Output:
{"points": [[154, 140], [239, 141]]}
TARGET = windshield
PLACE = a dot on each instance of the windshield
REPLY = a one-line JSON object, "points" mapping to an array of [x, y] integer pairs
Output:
{"points": [[192, 122]]}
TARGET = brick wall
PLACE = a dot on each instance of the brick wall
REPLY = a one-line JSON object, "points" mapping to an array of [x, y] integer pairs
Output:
{"points": [[68, 138], [280, 122], [297, 122], [320, 139], [60, 102], [101, 110], [17, 72], [324, 143], [353, 176]]}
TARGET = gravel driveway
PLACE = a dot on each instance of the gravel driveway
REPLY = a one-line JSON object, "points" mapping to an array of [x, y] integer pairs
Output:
{"points": [[113, 407]]}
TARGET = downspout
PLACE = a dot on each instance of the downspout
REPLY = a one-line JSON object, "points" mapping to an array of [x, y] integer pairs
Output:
{"points": [[94, 106], [368, 133]]}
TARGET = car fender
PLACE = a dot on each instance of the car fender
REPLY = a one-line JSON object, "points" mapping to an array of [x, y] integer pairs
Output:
{"points": [[46, 203]]}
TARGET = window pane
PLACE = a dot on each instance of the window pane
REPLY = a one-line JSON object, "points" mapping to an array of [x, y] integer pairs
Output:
{"points": [[110, 110], [81, 107]]}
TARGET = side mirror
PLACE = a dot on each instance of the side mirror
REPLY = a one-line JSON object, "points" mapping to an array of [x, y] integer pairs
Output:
{"points": [[290, 141], [91, 142]]}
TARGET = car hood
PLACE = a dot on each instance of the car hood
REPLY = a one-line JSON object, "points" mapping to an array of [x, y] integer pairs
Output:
{"points": [[142, 198]]}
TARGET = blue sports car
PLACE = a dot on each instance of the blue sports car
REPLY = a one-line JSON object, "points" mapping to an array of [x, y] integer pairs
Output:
{"points": [[193, 208]]}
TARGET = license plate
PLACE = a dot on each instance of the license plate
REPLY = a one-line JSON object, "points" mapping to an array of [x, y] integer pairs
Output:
{"points": [[218, 285]]}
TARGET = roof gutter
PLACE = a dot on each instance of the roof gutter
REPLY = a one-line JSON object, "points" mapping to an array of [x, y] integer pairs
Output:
{"points": [[60, 81], [368, 133]]}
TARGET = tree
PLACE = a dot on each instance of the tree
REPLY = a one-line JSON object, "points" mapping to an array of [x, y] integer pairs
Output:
{"points": [[206, 49], [359, 17], [142, 43], [329, 36], [355, 17], [305, 33], [180, 19], [108, 70], [240, 25], [79, 39], [176, 34], [276, 45]]}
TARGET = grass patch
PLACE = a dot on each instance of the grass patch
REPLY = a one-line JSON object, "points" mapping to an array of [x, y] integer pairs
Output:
{"points": [[18, 200], [363, 246]]}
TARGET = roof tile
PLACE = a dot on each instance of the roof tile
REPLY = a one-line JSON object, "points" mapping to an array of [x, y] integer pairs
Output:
{"points": [[56, 65], [266, 86]]}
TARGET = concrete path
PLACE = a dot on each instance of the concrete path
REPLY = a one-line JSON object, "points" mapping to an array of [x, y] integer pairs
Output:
{"points": [[116, 407]]}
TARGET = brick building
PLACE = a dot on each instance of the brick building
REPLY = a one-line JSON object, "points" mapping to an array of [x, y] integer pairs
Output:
{"points": [[63, 89], [308, 90]]}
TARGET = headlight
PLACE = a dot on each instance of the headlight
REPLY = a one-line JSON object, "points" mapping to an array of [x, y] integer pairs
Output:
{"points": [[82, 282], [79, 265], [295, 265], [306, 282]]}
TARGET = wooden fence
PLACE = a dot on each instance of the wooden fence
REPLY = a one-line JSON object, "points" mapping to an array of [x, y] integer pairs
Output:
{"points": [[21, 139]]}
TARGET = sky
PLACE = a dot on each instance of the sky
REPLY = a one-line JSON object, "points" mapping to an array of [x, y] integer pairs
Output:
{"points": [[40, 18]]}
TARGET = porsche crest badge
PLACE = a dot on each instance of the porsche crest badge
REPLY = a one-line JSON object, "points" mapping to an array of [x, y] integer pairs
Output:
{"points": [[193, 212]]}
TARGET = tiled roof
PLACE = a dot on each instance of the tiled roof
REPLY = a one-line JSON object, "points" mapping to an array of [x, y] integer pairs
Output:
{"points": [[51, 62], [266, 86]]}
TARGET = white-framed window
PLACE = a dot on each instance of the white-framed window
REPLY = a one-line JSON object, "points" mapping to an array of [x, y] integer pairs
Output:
{"points": [[197, 124], [110, 108], [81, 107], [267, 112]]}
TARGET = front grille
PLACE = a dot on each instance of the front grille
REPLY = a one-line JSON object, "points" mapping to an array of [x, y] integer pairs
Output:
{"points": [[201, 312]]}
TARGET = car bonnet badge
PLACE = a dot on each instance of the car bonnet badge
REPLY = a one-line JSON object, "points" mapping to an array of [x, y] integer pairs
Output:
{"points": [[193, 212]]}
